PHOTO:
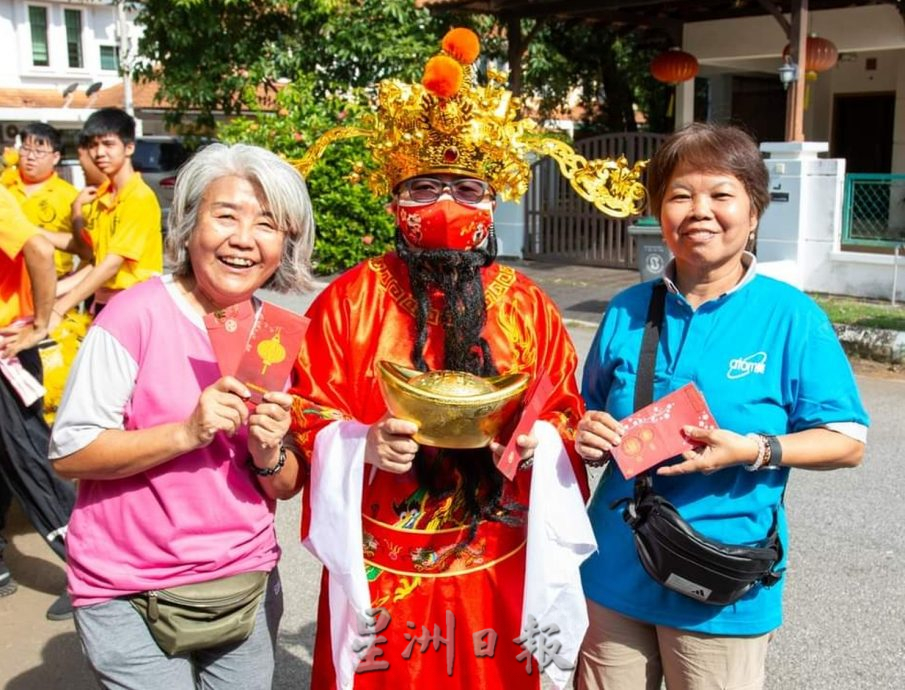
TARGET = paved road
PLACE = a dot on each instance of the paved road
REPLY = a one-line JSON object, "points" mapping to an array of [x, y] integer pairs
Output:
{"points": [[845, 601]]}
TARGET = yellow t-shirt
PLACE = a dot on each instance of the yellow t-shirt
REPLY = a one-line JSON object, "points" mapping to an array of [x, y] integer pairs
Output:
{"points": [[15, 287], [126, 223], [50, 208]]}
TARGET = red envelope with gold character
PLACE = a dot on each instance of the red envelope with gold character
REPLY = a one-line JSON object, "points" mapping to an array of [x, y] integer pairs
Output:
{"points": [[272, 348], [654, 433], [228, 330]]}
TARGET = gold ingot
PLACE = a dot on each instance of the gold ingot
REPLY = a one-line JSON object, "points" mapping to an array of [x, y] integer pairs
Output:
{"points": [[453, 409]]}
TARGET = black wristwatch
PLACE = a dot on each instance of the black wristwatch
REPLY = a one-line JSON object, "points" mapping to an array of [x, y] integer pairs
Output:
{"points": [[270, 471]]}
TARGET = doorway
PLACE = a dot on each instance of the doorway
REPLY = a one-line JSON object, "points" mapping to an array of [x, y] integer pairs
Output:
{"points": [[862, 131], [759, 106]]}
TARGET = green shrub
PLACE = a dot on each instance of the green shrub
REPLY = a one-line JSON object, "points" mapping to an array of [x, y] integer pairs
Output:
{"points": [[352, 224]]}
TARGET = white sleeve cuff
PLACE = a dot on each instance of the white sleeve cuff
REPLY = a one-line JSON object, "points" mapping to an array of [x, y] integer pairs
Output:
{"points": [[851, 429]]}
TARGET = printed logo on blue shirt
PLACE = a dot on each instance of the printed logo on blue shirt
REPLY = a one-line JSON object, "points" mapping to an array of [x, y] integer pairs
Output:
{"points": [[742, 366]]}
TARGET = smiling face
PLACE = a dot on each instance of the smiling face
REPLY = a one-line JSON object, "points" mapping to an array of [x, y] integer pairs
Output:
{"points": [[706, 219], [235, 246]]}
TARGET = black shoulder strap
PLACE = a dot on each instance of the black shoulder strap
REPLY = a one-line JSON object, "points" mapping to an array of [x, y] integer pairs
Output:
{"points": [[647, 361], [650, 342]]}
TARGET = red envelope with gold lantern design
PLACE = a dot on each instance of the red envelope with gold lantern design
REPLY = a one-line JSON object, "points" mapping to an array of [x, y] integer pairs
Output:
{"points": [[271, 350], [654, 433]]}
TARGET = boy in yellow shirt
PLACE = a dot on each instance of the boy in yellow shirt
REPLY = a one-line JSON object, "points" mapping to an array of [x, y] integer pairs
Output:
{"points": [[120, 219], [44, 196]]}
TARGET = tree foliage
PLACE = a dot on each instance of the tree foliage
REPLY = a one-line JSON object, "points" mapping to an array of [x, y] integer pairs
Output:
{"points": [[600, 72], [207, 56], [296, 68]]}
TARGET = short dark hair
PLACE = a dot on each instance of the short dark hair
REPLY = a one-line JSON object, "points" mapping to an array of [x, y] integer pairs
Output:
{"points": [[42, 133], [710, 148], [108, 121]]}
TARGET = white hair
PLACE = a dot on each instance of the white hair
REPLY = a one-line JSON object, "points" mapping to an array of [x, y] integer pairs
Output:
{"points": [[282, 187]]}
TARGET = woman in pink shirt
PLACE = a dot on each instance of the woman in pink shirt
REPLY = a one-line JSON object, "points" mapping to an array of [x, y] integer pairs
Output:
{"points": [[177, 479]]}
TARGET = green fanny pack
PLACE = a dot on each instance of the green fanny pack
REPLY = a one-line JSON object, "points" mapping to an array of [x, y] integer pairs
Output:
{"points": [[204, 614]]}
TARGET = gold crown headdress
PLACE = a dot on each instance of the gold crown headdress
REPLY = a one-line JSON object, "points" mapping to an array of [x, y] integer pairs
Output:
{"points": [[450, 124]]}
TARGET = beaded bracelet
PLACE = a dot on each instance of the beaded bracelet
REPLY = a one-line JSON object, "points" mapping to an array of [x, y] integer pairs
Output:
{"points": [[762, 451], [270, 471]]}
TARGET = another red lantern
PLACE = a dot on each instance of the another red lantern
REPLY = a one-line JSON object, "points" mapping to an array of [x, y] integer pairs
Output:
{"points": [[821, 54], [674, 66]]}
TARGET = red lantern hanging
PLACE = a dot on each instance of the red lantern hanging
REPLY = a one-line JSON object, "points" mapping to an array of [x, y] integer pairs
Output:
{"points": [[820, 55], [674, 66]]}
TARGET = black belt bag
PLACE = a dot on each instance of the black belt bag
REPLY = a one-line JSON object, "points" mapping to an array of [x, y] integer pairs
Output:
{"points": [[672, 552], [682, 559]]}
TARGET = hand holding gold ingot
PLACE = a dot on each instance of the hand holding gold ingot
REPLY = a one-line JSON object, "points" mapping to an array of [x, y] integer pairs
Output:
{"points": [[453, 409]]}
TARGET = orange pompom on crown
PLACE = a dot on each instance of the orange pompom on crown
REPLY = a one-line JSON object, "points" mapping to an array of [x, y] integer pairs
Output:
{"points": [[443, 76], [462, 44]]}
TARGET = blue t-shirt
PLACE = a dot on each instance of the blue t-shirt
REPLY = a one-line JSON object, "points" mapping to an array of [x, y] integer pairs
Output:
{"points": [[767, 360]]}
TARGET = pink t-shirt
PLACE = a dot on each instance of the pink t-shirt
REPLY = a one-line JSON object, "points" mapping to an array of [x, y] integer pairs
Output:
{"points": [[199, 516]]}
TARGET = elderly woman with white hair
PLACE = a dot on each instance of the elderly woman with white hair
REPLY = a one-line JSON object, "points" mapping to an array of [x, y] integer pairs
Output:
{"points": [[172, 552]]}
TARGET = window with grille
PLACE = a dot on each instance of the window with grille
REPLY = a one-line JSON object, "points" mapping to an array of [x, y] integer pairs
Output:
{"points": [[73, 20], [110, 58], [37, 18]]}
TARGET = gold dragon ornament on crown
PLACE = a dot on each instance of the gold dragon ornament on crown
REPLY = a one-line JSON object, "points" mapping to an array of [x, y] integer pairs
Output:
{"points": [[450, 124]]}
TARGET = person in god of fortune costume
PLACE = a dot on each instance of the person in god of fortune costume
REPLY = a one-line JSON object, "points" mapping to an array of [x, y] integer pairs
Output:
{"points": [[437, 536]]}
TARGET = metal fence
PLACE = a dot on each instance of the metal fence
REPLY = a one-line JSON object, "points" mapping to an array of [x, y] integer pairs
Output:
{"points": [[561, 226], [873, 212]]}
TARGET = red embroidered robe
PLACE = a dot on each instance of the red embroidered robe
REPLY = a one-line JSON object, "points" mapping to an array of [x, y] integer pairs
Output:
{"points": [[413, 567]]}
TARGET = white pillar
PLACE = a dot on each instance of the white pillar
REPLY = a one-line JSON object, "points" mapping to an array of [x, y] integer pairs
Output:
{"points": [[684, 103], [802, 225]]}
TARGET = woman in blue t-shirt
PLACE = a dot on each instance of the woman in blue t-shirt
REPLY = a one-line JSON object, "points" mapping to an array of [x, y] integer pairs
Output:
{"points": [[780, 388]]}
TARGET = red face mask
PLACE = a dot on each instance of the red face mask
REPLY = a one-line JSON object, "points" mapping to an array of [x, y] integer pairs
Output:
{"points": [[444, 224]]}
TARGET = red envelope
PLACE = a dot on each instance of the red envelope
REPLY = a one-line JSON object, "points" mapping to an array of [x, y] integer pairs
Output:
{"points": [[228, 330], [654, 433], [272, 348], [535, 399]]}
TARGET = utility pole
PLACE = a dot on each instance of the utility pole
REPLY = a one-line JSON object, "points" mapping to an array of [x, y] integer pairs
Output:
{"points": [[125, 59]]}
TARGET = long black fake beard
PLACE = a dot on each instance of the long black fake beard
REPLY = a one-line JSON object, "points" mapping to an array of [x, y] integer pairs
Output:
{"points": [[457, 274]]}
